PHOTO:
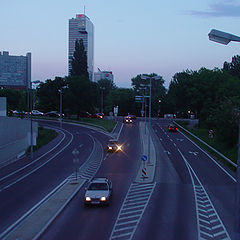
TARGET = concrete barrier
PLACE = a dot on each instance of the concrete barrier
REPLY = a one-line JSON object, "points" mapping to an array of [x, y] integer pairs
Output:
{"points": [[14, 138]]}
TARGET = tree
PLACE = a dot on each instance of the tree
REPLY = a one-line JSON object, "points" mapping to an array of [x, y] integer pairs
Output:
{"points": [[158, 90], [233, 67], [79, 60], [81, 95], [48, 94], [124, 98]]}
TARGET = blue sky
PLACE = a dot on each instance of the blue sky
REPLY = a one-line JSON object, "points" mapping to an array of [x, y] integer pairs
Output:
{"points": [[131, 36]]}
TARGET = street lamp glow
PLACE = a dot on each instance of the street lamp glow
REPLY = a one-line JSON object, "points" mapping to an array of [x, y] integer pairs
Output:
{"points": [[222, 37]]}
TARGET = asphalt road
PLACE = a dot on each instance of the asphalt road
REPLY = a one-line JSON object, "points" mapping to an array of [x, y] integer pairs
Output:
{"points": [[80, 222], [25, 182], [193, 196], [173, 211]]}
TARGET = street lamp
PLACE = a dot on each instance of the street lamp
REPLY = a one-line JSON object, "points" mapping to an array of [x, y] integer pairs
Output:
{"points": [[225, 38], [60, 103], [146, 77], [31, 104], [102, 89]]}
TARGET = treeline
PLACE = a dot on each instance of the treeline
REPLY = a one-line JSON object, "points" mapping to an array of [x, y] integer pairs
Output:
{"points": [[212, 95]]}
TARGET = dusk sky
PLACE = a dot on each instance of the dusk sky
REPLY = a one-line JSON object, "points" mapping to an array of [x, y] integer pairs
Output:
{"points": [[131, 36]]}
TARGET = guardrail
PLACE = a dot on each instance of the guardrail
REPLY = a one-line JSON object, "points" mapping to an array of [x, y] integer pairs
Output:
{"points": [[213, 149]]}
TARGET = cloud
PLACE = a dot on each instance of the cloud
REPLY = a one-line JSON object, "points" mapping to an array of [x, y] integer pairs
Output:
{"points": [[229, 9]]}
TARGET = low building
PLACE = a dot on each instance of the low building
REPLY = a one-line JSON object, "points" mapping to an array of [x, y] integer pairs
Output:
{"points": [[103, 75], [15, 71]]}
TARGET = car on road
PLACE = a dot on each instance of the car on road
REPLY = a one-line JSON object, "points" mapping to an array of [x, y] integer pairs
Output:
{"points": [[97, 115], [53, 114], [114, 146], [37, 113], [127, 119], [133, 117], [172, 128], [98, 192]]}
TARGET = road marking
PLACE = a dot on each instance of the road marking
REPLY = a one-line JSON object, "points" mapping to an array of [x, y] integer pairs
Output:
{"points": [[174, 144], [194, 153], [205, 210], [20, 169], [210, 158], [132, 210], [167, 152], [80, 145], [180, 139]]}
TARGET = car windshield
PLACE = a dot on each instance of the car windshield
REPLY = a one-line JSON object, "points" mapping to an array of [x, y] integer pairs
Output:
{"points": [[98, 186]]}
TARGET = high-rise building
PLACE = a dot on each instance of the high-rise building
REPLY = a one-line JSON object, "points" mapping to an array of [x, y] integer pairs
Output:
{"points": [[82, 28], [15, 71]]}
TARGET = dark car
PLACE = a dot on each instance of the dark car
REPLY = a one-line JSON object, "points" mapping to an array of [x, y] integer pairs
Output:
{"points": [[172, 128], [113, 146], [53, 114], [127, 119], [133, 117], [97, 115], [98, 192], [85, 114]]}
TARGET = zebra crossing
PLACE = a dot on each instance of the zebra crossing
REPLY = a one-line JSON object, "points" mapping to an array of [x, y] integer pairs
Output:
{"points": [[132, 210]]}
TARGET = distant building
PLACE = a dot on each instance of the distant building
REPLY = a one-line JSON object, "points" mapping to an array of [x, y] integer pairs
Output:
{"points": [[15, 71], [81, 28], [103, 75]]}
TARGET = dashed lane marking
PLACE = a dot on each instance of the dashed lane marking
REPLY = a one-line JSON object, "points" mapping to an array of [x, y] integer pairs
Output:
{"points": [[132, 210]]}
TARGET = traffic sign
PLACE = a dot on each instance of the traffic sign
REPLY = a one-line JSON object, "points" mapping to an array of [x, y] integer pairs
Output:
{"points": [[144, 158]]}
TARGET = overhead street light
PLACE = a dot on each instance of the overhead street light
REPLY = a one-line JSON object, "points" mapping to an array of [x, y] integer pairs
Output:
{"points": [[222, 37], [150, 78], [225, 38]]}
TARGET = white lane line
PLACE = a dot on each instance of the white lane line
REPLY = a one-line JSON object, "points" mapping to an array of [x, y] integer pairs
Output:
{"points": [[29, 212], [120, 131], [29, 164], [21, 178], [210, 158], [198, 188], [174, 144], [80, 145]]}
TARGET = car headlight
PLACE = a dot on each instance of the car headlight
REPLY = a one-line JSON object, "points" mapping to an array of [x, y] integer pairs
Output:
{"points": [[119, 147], [103, 199], [109, 147], [87, 199]]}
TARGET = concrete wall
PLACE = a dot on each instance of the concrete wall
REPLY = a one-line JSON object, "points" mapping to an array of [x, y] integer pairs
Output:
{"points": [[3, 106], [15, 137]]}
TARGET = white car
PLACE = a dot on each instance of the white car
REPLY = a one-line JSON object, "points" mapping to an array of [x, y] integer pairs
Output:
{"points": [[98, 192], [37, 113]]}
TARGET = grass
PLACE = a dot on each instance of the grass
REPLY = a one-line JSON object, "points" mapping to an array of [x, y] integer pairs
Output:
{"points": [[44, 137], [202, 133], [108, 125]]}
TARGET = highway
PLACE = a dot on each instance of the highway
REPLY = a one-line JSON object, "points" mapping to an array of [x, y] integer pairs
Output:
{"points": [[191, 197]]}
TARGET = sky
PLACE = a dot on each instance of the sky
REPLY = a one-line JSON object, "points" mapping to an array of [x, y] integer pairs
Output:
{"points": [[131, 36]]}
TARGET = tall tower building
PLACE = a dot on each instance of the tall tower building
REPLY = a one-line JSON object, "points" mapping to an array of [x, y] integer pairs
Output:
{"points": [[82, 28]]}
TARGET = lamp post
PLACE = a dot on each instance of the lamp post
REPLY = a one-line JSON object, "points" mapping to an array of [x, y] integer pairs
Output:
{"points": [[146, 77], [60, 103], [102, 89], [225, 38], [31, 105]]}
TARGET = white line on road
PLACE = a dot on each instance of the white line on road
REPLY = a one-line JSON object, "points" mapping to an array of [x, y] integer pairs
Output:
{"points": [[20, 169], [21, 178]]}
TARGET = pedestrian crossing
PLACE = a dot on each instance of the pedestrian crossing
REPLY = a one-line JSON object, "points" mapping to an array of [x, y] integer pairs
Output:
{"points": [[132, 210]]}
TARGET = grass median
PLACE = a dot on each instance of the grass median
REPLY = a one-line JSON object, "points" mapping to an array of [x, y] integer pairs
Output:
{"points": [[44, 137], [202, 133]]}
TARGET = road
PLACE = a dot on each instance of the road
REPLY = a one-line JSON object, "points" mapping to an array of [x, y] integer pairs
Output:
{"points": [[191, 197]]}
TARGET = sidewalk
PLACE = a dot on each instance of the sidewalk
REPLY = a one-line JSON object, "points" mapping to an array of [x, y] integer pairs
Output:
{"points": [[146, 171], [38, 221]]}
